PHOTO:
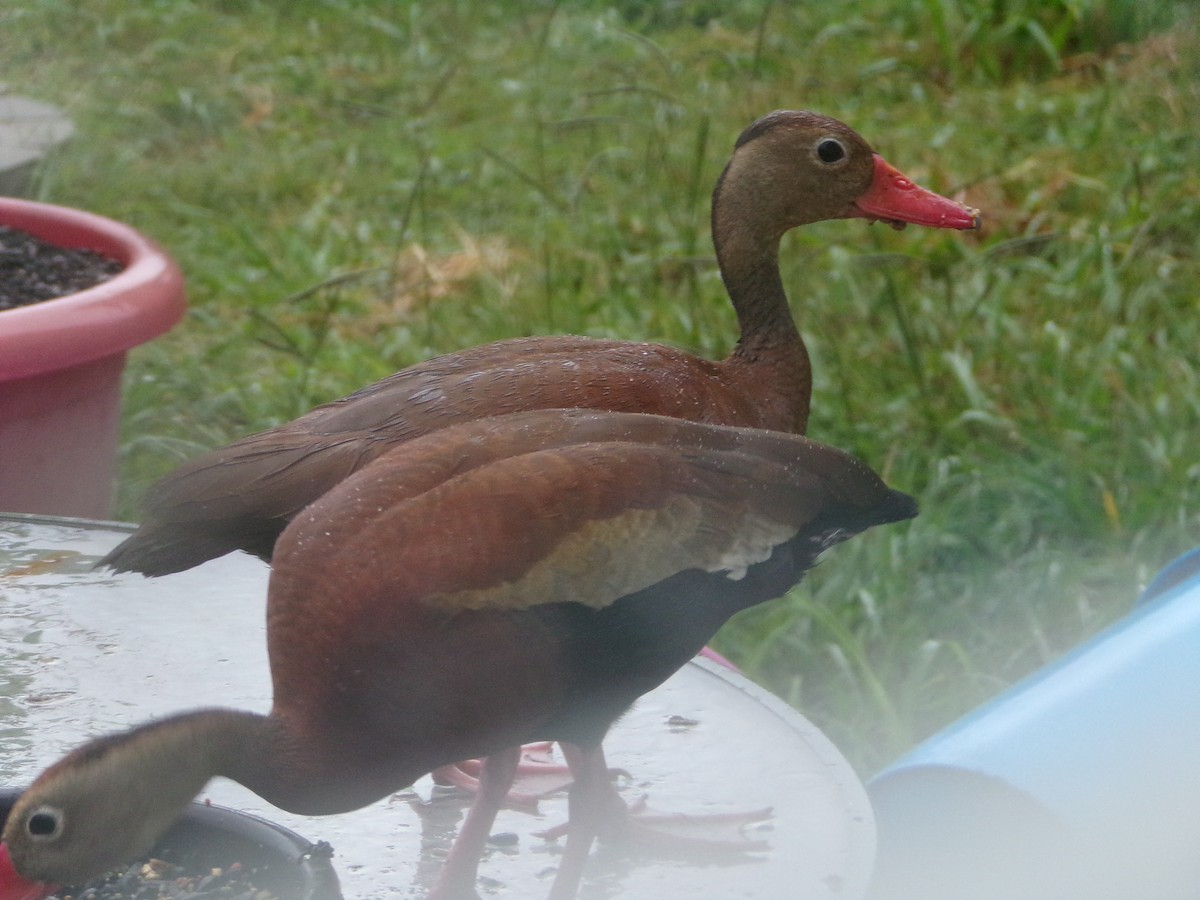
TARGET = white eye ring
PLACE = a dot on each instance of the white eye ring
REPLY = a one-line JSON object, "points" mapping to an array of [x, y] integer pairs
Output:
{"points": [[830, 151], [45, 823]]}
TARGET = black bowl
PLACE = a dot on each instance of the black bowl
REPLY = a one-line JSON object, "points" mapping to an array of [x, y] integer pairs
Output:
{"points": [[206, 837]]}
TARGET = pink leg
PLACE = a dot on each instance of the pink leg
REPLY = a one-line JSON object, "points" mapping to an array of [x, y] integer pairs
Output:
{"points": [[589, 808], [457, 880]]}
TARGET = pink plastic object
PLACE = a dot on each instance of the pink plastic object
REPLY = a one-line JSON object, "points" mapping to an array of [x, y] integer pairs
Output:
{"points": [[61, 362]]}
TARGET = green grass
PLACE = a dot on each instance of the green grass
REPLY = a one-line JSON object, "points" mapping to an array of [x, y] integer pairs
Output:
{"points": [[353, 186]]}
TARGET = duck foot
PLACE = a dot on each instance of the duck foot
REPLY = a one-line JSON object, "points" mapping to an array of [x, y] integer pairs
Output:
{"points": [[709, 653], [597, 810], [539, 774], [674, 832]]}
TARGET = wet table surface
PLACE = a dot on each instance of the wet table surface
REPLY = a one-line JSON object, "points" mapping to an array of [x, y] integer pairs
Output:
{"points": [[85, 652]]}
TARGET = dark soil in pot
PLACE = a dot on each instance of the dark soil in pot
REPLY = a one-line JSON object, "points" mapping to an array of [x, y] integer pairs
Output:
{"points": [[32, 271]]}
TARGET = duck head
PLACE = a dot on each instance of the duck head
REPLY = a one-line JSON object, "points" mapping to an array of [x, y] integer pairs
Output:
{"points": [[793, 167]]}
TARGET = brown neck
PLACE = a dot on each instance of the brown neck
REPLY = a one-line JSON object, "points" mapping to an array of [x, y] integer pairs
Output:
{"points": [[770, 353], [290, 769]]}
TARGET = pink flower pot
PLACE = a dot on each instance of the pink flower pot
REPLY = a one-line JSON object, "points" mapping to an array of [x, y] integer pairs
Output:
{"points": [[61, 362]]}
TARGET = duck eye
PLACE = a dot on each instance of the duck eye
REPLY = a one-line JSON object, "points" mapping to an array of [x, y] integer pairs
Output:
{"points": [[830, 151], [44, 823]]}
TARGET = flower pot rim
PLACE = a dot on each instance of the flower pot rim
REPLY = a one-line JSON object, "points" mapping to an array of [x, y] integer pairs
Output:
{"points": [[140, 302]]}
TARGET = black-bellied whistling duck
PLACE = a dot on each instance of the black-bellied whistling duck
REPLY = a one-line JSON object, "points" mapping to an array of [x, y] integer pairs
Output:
{"points": [[518, 578], [788, 169]]}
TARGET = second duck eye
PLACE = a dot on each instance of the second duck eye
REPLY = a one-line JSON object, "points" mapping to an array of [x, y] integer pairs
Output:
{"points": [[44, 823], [830, 150]]}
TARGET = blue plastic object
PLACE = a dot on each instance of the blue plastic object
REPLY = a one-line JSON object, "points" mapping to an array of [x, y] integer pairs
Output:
{"points": [[1178, 571], [1083, 781]]}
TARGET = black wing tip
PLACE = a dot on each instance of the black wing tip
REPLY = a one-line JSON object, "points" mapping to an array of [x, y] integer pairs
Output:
{"points": [[113, 560], [150, 556], [898, 506], [164, 549]]}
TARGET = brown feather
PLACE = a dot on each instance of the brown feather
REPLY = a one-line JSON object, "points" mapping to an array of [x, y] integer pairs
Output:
{"points": [[242, 495], [514, 578]]}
